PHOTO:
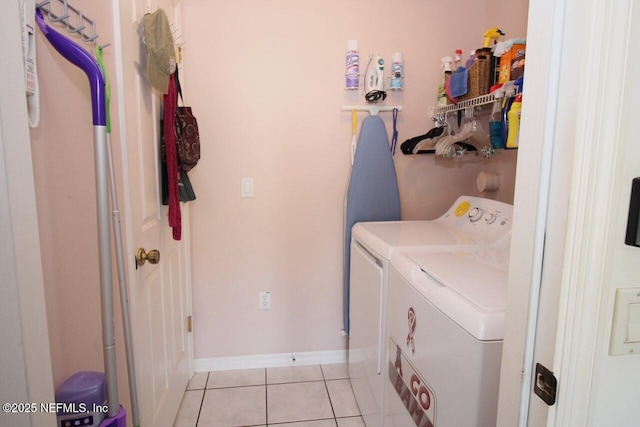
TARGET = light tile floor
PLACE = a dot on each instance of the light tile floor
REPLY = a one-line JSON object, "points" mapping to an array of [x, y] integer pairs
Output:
{"points": [[299, 396]]}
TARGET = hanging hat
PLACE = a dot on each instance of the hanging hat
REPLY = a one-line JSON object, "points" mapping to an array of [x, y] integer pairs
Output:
{"points": [[161, 62]]}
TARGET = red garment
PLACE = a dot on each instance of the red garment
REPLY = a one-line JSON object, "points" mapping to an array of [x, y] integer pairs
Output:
{"points": [[169, 117]]}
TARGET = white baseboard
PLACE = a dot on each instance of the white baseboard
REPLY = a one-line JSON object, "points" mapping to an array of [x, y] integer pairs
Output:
{"points": [[270, 360]]}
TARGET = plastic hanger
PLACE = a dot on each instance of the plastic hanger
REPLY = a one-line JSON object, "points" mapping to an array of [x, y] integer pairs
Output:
{"points": [[428, 146], [409, 146], [442, 146], [472, 134]]}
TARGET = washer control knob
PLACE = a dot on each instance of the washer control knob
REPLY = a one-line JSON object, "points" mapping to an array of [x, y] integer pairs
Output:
{"points": [[475, 214], [491, 217]]}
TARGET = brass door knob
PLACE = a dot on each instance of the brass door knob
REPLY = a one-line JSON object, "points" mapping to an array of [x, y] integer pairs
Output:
{"points": [[153, 256]]}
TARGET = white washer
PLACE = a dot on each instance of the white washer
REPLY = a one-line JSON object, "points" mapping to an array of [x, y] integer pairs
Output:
{"points": [[445, 329], [471, 222]]}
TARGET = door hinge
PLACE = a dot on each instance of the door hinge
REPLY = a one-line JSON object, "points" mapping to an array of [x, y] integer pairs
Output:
{"points": [[546, 385], [189, 324]]}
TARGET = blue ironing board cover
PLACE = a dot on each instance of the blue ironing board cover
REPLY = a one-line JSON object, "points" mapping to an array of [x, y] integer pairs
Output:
{"points": [[372, 194]]}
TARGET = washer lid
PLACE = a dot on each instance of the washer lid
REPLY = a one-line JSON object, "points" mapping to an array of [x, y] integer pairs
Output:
{"points": [[386, 237], [480, 277], [470, 291]]}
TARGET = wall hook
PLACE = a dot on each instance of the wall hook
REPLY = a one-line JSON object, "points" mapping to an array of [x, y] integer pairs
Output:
{"points": [[71, 12], [81, 25]]}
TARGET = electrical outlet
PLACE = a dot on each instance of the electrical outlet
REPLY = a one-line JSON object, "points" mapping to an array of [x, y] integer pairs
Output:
{"points": [[265, 300]]}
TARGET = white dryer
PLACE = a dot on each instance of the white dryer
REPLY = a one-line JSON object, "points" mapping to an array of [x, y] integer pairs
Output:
{"points": [[471, 222], [445, 329]]}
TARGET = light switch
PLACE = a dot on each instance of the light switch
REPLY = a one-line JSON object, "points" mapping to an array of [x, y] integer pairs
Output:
{"points": [[247, 187], [625, 335], [633, 324]]}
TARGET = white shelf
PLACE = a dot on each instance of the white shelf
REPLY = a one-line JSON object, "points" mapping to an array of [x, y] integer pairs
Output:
{"points": [[469, 103]]}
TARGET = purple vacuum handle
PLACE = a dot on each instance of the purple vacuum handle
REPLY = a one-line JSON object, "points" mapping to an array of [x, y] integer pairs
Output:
{"points": [[83, 60]]}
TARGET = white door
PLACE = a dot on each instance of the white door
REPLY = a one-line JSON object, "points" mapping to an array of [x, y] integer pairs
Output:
{"points": [[585, 258], [159, 294]]}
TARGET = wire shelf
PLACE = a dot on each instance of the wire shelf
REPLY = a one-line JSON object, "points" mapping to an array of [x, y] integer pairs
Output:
{"points": [[462, 105], [469, 103]]}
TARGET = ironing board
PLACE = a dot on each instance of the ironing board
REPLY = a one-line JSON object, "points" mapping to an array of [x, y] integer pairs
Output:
{"points": [[372, 194]]}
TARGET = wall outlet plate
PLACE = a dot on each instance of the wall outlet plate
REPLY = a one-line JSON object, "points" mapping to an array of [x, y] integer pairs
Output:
{"points": [[265, 300]]}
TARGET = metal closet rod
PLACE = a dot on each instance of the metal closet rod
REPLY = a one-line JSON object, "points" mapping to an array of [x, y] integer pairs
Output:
{"points": [[82, 21]]}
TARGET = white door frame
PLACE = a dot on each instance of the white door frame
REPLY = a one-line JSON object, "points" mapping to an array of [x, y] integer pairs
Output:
{"points": [[535, 154], [600, 118], [569, 170], [25, 362]]}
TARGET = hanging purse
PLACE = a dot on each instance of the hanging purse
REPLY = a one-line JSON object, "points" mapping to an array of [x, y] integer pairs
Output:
{"points": [[185, 189], [187, 135]]}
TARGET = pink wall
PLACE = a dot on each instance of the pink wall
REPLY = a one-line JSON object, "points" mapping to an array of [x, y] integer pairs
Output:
{"points": [[266, 82], [510, 16]]}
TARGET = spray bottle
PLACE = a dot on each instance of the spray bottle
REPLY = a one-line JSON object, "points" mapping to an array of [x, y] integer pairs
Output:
{"points": [[490, 38], [458, 58], [353, 65], [446, 66], [490, 35]]}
